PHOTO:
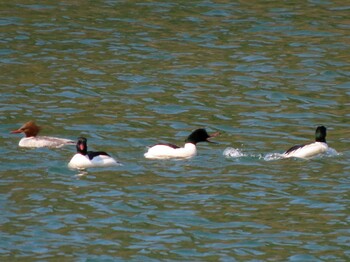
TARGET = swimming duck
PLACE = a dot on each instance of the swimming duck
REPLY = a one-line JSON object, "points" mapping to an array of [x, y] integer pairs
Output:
{"points": [[166, 151], [31, 139], [312, 149], [85, 159]]}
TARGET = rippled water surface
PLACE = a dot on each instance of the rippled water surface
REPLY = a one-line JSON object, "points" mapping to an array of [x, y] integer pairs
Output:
{"points": [[127, 74]]}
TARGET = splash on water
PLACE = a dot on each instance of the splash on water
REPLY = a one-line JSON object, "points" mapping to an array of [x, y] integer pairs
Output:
{"points": [[231, 152], [331, 152], [273, 156]]}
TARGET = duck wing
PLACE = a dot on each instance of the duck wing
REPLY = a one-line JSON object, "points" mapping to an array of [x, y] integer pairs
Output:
{"points": [[167, 144], [293, 148], [92, 154]]}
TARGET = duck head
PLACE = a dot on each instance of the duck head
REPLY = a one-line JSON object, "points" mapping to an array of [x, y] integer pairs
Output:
{"points": [[320, 134], [82, 145], [29, 129], [200, 135]]}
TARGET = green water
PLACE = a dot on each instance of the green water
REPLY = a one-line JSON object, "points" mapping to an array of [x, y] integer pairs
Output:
{"points": [[128, 74]]}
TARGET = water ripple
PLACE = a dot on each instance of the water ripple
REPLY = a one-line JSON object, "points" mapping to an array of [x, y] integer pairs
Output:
{"points": [[127, 75]]}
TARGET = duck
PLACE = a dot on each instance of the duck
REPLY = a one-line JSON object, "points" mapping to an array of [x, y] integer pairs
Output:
{"points": [[31, 139], [85, 159], [167, 151], [310, 150]]}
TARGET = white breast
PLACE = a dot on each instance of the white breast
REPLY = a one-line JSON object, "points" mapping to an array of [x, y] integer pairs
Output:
{"points": [[164, 152], [308, 151], [44, 141], [80, 161]]}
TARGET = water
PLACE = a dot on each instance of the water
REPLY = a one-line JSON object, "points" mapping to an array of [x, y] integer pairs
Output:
{"points": [[127, 75]]}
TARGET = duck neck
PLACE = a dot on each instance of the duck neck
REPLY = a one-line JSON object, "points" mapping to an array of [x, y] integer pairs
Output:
{"points": [[323, 140], [82, 149], [190, 147]]}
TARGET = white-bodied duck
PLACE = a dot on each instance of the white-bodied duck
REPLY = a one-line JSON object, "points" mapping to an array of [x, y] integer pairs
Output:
{"points": [[166, 151], [312, 149], [86, 159], [31, 139]]}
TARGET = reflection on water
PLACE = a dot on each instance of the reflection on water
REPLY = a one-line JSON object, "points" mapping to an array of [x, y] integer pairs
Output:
{"points": [[129, 74]]}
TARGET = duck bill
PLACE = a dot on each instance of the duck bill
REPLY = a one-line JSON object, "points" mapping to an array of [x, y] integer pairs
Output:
{"points": [[213, 135], [16, 131]]}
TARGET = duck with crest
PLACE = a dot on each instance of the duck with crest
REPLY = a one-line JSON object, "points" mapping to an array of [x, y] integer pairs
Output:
{"points": [[31, 139]]}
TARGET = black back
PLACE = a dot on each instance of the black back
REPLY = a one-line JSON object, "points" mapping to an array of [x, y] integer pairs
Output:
{"points": [[293, 148], [92, 154], [167, 144]]}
